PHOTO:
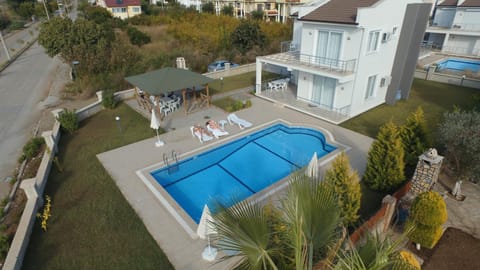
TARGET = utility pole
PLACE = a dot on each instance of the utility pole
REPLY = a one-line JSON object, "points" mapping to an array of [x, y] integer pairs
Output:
{"points": [[46, 10], [5, 46]]}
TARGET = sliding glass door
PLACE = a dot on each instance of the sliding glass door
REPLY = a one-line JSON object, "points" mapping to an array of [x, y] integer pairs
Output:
{"points": [[323, 91], [328, 47]]}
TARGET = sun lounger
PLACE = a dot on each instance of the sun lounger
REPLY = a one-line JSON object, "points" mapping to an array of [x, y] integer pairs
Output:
{"points": [[201, 135], [217, 132], [233, 119]]}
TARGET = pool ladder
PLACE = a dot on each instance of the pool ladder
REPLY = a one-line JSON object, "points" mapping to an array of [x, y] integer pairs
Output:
{"points": [[174, 167]]}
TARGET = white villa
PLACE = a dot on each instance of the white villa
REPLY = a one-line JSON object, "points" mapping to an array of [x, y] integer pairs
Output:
{"points": [[455, 27], [347, 57]]}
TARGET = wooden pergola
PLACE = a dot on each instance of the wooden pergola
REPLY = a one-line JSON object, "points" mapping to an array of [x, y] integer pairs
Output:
{"points": [[163, 81]]}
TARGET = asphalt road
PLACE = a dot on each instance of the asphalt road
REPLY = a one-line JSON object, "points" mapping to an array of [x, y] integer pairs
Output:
{"points": [[16, 41], [22, 86]]}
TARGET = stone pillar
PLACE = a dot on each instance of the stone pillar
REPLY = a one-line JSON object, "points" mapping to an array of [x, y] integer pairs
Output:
{"points": [[49, 141], [99, 95], [258, 78], [430, 71], [56, 113], [427, 171], [391, 203]]}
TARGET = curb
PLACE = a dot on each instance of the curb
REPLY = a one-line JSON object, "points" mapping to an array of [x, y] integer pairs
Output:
{"points": [[18, 54]]}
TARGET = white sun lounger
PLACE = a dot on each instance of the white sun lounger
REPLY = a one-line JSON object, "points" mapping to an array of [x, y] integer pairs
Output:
{"points": [[216, 131], [202, 136], [233, 119]]}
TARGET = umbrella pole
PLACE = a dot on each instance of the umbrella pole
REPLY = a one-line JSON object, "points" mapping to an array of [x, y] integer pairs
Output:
{"points": [[158, 137]]}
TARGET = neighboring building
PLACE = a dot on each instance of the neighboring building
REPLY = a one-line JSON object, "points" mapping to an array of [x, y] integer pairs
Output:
{"points": [[455, 27], [122, 9], [348, 56]]}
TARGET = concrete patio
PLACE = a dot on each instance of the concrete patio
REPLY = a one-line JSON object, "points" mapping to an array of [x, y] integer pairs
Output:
{"points": [[183, 251]]}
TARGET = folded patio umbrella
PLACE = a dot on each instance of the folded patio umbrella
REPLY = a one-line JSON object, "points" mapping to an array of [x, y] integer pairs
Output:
{"points": [[155, 124]]}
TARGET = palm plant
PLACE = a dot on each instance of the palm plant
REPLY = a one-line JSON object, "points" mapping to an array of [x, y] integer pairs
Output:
{"points": [[304, 225], [375, 254]]}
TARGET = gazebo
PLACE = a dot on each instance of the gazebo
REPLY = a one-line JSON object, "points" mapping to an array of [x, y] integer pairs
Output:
{"points": [[163, 81]]}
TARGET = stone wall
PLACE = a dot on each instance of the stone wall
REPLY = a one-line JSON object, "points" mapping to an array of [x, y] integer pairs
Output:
{"points": [[427, 171], [447, 78]]}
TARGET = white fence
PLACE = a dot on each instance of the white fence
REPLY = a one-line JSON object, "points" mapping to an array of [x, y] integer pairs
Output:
{"points": [[34, 187], [231, 72], [447, 78]]}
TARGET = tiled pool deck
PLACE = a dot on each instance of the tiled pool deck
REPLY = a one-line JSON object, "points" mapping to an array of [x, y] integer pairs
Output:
{"points": [[183, 251]]}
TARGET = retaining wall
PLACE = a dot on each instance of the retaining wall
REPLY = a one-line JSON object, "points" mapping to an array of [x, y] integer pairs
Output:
{"points": [[231, 72], [34, 187]]}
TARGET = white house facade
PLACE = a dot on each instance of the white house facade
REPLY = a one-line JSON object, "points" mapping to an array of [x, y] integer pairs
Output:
{"points": [[455, 27], [342, 53]]}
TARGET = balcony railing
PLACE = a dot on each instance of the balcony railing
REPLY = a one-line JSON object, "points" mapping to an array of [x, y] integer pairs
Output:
{"points": [[290, 53], [458, 26]]}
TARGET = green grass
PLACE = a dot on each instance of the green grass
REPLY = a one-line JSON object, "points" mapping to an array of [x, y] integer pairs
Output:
{"points": [[92, 225], [238, 82], [434, 98]]}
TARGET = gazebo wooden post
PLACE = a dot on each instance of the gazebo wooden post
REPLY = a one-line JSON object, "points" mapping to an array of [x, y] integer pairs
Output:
{"points": [[208, 95], [184, 95], [137, 97]]}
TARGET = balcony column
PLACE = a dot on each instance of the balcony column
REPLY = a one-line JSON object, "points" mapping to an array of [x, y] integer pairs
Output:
{"points": [[445, 41], [258, 77]]}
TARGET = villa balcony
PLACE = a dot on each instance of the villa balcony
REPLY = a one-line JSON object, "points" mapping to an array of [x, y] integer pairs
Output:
{"points": [[341, 70], [455, 28]]}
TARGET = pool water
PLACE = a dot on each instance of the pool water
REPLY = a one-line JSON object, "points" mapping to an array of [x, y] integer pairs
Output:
{"points": [[240, 168], [458, 64]]}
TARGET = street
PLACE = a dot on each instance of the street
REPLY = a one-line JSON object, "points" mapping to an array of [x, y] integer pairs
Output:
{"points": [[24, 87], [16, 41]]}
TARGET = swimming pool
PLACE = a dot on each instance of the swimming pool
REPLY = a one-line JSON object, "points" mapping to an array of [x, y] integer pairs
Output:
{"points": [[459, 64], [240, 168]]}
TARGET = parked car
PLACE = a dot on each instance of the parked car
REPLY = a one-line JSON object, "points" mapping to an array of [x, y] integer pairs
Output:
{"points": [[220, 65]]}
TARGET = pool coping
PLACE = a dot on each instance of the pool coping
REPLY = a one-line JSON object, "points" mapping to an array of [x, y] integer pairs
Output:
{"points": [[183, 218]]}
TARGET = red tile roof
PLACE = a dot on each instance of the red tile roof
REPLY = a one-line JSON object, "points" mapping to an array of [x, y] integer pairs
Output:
{"points": [[448, 3], [471, 3], [338, 11], [122, 3]]}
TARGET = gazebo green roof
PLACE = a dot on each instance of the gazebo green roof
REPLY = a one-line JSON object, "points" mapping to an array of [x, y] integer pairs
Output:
{"points": [[167, 80]]}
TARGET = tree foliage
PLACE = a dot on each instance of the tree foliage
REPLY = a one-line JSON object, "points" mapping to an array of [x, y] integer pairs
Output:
{"points": [[247, 35], [257, 15], [137, 37], [208, 7], [227, 10], [427, 215], [4, 21], [385, 164], [346, 186], [415, 137], [308, 225], [459, 133]]}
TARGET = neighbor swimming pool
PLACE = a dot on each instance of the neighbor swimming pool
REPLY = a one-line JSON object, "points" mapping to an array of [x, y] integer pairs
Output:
{"points": [[459, 64], [240, 168]]}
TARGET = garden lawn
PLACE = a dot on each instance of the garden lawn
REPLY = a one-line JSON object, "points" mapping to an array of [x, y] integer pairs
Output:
{"points": [[92, 225], [434, 98], [238, 81]]}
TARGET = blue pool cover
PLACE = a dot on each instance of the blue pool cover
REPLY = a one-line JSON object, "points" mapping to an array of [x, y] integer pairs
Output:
{"points": [[240, 168]]}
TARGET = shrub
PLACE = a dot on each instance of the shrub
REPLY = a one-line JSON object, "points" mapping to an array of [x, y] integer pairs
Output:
{"points": [[248, 103], [427, 215], [247, 35], [4, 244], [385, 165], [137, 37], [4, 21], [31, 148], [405, 260], [227, 10], [208, 7], [346, 185], [429, 209], [108, 99], [68, 121], [414, 136]]}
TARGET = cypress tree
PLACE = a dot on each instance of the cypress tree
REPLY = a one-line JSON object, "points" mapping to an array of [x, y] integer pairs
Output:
{"points": [[346, 186], [415, 137], [385, 165]]}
